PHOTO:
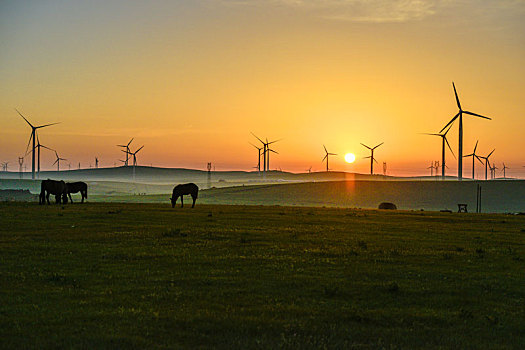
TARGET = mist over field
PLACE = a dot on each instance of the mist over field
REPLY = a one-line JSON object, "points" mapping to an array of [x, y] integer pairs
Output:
{"points": [[332, 189]]}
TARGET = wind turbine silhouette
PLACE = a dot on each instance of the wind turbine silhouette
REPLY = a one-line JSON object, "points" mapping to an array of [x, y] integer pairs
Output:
{"points": [[431, 167], [134, 154], [371, 156], [493, 170], [33, 137], [57, 161], [474, 155], [266, 152], [326, 157], [487, 164], [4, 166], [443, 142], [504, 168], [460, 144], [38, 146], [127, 151]]}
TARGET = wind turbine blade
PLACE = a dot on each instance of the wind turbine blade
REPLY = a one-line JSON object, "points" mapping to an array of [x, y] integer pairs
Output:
{"points": [[271, 150], [365, 145], [374, 160], [137, 151], [445, 133], [478, 159], [475, 147], [47, 148], [29, 142], [130, 141], [476, 115], [269, 143], [425, 133], [326, 156], [378, 145], [332, 154], [55, 162], [450, 122], [43, 126], [325, 149], [450, 148], [491, 153], [257, 137], [468, 155], [27, 121], [457, 98]]}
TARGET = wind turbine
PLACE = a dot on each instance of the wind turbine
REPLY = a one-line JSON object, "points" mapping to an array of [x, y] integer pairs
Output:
{"points": [[38, 146], [33, 137], [371, 156], [443, 142], [326, 157], [266, 152], [431, 167], [474, 155], [460, 144], [57, 161], [96, 162], [487, 164], [4, 166], [493, 170], [504, 168], [127, 151]]}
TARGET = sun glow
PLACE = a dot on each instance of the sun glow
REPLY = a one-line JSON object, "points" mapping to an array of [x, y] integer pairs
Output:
{"points": [[349, 157]]}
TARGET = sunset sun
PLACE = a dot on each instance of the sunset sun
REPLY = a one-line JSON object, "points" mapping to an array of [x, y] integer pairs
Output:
{"points": [[349, 157]]}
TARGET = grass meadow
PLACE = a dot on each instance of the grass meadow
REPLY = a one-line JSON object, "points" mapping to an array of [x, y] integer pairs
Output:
{"points": [[110, 275]]}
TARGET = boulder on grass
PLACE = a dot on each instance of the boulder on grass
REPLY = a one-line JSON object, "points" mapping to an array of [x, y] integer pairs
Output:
{"points": [[387, 205]]}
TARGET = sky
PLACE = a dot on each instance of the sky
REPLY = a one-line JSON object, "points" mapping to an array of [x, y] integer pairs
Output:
{"points": [[190, 80]]}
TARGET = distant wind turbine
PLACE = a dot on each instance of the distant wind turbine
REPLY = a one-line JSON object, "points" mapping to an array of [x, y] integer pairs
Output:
{"points": [[504, 168], [460, 145], [127, 151], [371, 156], [487, 163], [33, 137], [57, 161], [326, 157], [474, 155], [443, 142], [258, 167]]}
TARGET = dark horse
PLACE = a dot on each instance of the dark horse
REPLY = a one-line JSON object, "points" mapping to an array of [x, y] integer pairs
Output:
{"points": [[57, 188], [181, 190], [74, 187]]}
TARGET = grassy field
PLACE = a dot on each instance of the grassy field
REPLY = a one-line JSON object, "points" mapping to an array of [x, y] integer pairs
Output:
{"points": [[131, 275]]}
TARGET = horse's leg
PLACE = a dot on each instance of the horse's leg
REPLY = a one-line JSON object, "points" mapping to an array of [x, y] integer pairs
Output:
{"points": [[69, 195], [194, 199], [182, 201], [47, 197]]}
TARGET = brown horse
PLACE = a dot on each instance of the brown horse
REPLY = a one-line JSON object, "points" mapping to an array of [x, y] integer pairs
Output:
{"points": [[57, 188], [181, 190], [74, 187]]}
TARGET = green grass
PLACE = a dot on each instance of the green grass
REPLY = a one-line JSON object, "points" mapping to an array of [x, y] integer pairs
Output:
{"points": [[146, 275]]}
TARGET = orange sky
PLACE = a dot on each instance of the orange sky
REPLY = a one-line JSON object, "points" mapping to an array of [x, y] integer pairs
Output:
{"points": [[191, 79]]}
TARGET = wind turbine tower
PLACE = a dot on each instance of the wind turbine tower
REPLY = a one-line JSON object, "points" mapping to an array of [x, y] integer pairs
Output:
{"points": [[487, 163], [371, 156], [460, 144], [443, 142], [21, 166], [128, 152], [33, 137]]}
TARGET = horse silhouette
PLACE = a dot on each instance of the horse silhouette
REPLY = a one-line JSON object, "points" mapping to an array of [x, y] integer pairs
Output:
{"points": [[57, 188], [181, 190], [75, 187]]}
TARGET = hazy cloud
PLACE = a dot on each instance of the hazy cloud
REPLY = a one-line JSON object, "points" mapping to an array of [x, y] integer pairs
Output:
{"points": [[377, 11]]}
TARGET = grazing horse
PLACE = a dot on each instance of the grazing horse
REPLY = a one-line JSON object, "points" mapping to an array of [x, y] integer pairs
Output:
{"points": [[181, 190], [57, 188], [74, 187]]}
